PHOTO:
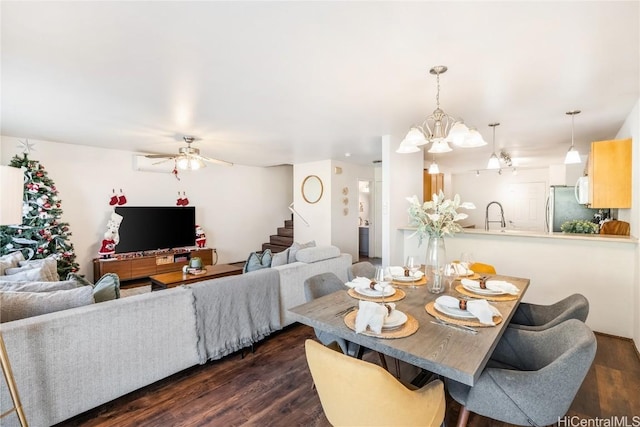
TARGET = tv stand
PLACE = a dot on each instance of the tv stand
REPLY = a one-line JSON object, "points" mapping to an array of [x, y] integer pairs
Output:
{"points": [[135, 266]]}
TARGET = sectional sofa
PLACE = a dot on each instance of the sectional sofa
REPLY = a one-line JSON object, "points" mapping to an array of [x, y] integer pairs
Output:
{"points": [[70, 361]]}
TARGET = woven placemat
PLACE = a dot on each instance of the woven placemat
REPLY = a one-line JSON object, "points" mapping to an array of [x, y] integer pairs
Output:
{"points": [[474, 276], [395, 297], [466, 322], [409, 328], [421, 282], [505, 297]]}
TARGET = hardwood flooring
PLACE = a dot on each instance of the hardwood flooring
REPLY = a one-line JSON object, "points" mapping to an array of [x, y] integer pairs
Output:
{"points": [[272, 387]]}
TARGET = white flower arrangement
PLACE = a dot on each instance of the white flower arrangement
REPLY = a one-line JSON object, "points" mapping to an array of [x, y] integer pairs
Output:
{"points": [[437, 217]]}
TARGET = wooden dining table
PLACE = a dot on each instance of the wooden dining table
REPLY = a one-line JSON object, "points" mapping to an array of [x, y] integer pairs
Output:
{"points": [[442, 350]]}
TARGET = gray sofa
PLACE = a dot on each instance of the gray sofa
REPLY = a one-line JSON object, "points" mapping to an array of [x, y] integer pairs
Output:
{"points": [[70, 361]]}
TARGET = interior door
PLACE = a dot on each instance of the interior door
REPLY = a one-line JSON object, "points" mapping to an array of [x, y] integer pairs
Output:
{"points": [[526, 206]]}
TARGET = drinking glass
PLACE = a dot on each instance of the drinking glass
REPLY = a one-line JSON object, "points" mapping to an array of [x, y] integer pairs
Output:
{"points": [[450, 274], [379, 278], [466, 259], [412, 264]]}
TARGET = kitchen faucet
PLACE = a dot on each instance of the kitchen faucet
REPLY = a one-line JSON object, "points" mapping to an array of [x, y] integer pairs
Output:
{"points": [[502, 222]]}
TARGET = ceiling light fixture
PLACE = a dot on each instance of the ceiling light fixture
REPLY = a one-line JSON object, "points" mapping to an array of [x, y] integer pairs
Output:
{"points": [[439, 128], [433, 168], [494, 162], [573, 156]]}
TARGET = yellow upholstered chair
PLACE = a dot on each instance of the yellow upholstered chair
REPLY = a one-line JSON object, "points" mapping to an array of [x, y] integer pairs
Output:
{"points": [[478, 267], [354, 392]]}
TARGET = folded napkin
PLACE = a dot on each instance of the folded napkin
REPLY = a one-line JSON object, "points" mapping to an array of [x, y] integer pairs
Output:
{"points": [[480, 308], [359, 282], [461, 270], [399, 271], [372, 314], [493, 285]]}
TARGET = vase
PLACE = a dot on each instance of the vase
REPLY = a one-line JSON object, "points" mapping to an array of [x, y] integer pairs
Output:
{"points": [[434, 263]]}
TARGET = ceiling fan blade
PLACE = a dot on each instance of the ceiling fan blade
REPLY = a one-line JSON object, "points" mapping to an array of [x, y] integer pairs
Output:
{"points": [[216, 161], [161, 161], [161, 156]]}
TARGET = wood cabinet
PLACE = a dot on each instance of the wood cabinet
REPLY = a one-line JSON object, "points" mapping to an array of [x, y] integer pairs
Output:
{"points": [[432, 183], [610, 174], [140, 267]]}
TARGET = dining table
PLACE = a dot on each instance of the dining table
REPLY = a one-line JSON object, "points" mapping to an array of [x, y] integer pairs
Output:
{"points": [[444, 349]]}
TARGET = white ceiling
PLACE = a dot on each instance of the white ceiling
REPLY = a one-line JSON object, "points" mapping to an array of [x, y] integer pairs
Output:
{"points": [[267, 83]]}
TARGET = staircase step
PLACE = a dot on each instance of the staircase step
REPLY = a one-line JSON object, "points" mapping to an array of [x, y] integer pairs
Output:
{"points": [[280, 240], [283, 231], [288, 223], [274, 248]]}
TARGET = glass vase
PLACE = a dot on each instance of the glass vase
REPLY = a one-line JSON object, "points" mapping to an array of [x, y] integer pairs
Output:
{"points": [[435, 260]]}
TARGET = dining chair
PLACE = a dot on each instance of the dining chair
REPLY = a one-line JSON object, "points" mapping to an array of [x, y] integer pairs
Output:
{"points": [[324, 284], [354, 392], [361, 269], [478, 267], [534, 317], [532, 377]]}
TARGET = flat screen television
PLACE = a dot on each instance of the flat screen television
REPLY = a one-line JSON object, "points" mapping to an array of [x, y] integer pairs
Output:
{"points": [[146, 228]]}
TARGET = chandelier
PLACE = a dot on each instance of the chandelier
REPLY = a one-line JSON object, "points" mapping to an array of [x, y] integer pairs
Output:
{"points": [[440, 129]]}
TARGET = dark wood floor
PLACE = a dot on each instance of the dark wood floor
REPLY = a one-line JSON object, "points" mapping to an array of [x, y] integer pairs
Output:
{"points": [[272, 387]]}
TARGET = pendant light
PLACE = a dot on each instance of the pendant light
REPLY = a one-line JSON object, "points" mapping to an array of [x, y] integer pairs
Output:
{"points": [[573, 156], [433, 168], [494, 162]]}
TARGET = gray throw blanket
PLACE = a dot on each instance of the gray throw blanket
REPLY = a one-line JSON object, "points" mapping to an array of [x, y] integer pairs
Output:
{"points": [[235, 312]]}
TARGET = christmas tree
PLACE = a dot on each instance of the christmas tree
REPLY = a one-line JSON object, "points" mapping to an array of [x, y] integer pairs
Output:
{"points": [[41, 233]]}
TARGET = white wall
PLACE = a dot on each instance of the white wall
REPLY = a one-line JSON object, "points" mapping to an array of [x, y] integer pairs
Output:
{"points": [[239, 207], [318, 215], [631, 129]]}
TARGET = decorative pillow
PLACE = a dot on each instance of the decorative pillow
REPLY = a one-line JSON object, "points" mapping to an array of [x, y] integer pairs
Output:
{"points": [[38, 286], [82, 281], [296, 247], [107, 288], [10, 260], [258, 261], [280, 258], [316, 254], [45, 269], [18, 305]]}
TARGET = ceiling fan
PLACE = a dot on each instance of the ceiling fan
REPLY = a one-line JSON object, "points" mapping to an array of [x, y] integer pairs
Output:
{"points": [[188, 158]]}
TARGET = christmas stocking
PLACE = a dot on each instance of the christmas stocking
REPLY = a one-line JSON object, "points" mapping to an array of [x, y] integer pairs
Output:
{"points": [[180, 200], [114, 199], [185, 199], [121, 198]]}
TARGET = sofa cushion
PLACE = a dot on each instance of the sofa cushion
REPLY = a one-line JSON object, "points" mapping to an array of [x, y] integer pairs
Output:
{"points": [[318, 253], [280, 258], [18, 305], [45, 269], [38, 286], [258, 261], [293, 249], [107, 288], [10, 261]]}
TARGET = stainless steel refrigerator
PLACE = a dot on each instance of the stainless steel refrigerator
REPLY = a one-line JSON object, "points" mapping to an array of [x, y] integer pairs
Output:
{"points": [[562, 206]]}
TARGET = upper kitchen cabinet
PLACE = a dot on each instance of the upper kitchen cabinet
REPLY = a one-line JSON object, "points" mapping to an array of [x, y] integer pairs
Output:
{"points": [[610, 174]]}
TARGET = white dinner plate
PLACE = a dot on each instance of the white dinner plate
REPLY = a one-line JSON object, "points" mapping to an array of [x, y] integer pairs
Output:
{"points": [[394, 320], [474, 286], [368, 292], [406, 279], [454, 312]]}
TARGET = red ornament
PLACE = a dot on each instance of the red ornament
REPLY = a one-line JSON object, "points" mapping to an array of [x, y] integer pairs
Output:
{"points": [[40, 250], [39, 174]]}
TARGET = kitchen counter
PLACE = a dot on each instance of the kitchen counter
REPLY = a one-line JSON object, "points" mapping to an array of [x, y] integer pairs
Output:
{"points": [[541, 234]]}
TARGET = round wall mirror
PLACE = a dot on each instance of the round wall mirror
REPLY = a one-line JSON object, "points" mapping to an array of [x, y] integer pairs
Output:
{"points": [[312, 189]]}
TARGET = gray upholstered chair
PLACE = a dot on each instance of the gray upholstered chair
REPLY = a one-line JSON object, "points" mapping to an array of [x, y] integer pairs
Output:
{"points": [[361, 269], [535, 317], [532, 376], [318, 286]]}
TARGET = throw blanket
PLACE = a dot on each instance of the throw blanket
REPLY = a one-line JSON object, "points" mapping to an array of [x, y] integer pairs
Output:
{"points": [[235, 312]]}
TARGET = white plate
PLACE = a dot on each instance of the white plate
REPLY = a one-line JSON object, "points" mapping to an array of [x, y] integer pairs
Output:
{"points": [[368, 292], [474, 286], [395, 319], [454, 312], [406, 279]]}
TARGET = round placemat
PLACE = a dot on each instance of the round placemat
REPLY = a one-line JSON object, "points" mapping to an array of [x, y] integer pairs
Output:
{"points": [[505, 297], [473, 276], [409, 328], [421, 282], [391, 298], [466, 322]]}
